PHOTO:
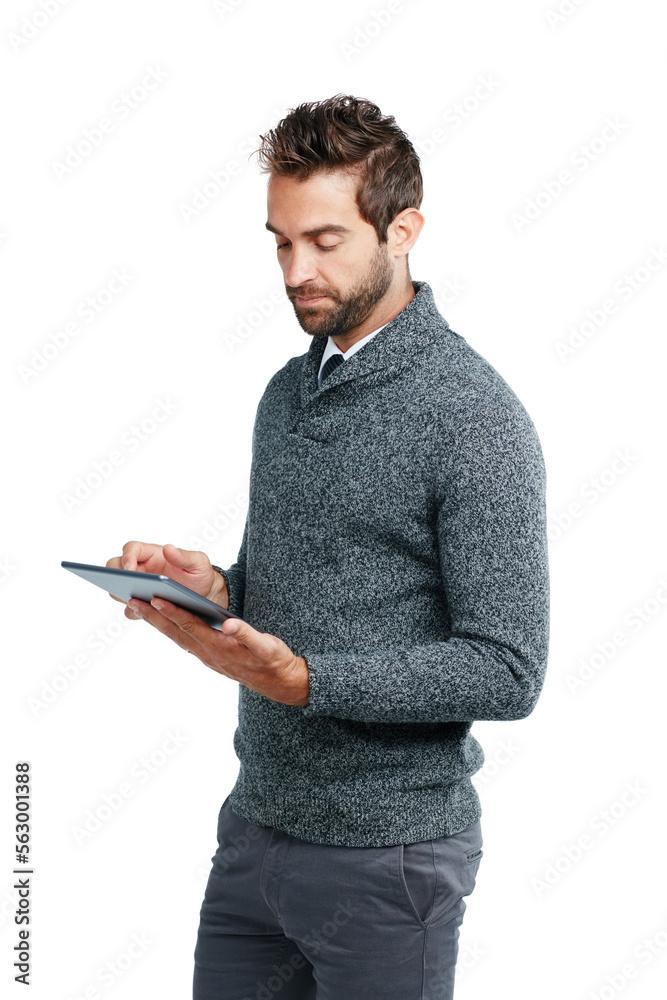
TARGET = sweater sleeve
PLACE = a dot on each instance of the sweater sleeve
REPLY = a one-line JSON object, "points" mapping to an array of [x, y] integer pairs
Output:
{"points": [[491, 528], [235, 577]]}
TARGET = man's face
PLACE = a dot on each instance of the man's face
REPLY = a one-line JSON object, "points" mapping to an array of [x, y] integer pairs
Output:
{"points": [[335, 270]]}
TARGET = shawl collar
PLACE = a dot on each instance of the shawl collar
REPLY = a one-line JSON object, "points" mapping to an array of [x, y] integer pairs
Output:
{"points": [[417, 326]]}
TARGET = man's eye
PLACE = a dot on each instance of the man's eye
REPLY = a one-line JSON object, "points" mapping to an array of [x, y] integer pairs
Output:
{"points": [[320, 246]]}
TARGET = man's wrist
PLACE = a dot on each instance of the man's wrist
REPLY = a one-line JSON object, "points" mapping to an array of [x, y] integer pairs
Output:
{"points": [[300, 683], [219, 594]]}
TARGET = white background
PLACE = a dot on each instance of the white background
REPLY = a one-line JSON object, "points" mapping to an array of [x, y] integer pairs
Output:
{"points": [[87, 695]]}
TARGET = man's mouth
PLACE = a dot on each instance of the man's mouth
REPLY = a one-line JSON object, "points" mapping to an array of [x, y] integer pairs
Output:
{"points": [[309, 301]]}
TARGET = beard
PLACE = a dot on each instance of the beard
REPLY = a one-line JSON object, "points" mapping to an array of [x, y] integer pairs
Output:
{"points": [[346, 312]]}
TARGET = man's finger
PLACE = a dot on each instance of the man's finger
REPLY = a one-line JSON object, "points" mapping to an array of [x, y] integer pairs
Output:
{"points": [[160, 619], [205, 638], [188, 623], [187, 630], [257, 643], [137, 552], [130, 556], [193, 562]]}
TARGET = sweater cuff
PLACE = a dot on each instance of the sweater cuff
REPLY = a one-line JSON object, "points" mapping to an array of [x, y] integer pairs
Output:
{"points": [[341, 684], [326, 695], [234, 590]]}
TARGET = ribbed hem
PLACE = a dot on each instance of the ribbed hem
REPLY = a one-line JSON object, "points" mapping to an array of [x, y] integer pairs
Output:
{"points": [[359, 817]]}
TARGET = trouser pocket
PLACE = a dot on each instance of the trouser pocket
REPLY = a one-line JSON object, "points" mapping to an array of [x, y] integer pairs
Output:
{"points": [[419, 877], [437, 874]]}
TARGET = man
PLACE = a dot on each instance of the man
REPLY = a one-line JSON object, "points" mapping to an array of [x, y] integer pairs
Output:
{"points": [[395, 554]]}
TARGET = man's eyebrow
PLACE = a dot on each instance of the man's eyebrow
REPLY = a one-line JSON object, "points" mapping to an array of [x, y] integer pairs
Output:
{"points": [[330, 227]]}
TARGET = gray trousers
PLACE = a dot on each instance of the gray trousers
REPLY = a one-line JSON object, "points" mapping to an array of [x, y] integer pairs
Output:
{"points": [[284, 919]]}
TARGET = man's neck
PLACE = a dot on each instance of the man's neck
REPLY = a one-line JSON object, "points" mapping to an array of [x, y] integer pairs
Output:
{"points": [[388, 307]]}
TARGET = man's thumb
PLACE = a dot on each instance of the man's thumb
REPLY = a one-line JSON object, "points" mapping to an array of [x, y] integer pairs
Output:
{"points": [[243, 633], [180, 557]]}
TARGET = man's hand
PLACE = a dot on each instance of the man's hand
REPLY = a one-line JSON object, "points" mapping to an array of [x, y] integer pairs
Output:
{"points": [[192, 569], [262, 662]]}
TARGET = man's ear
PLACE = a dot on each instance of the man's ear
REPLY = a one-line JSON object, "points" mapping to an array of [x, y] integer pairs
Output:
{"points": [[402, 233]]}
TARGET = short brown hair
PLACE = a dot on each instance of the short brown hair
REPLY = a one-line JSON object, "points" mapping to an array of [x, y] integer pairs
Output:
{"points": [[345, 132]]}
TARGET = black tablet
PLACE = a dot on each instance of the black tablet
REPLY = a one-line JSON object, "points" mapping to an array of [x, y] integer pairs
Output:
{"points": [[126, 584]]}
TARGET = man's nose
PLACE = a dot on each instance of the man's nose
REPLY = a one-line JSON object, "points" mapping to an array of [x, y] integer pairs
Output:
{"points": [[300, 266]]}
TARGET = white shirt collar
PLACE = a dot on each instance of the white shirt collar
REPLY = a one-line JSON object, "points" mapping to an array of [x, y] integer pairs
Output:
{"points": [[331, 348]]}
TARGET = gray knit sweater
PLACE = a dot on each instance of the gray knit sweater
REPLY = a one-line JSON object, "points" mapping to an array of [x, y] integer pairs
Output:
{"points": [[396, 539]]}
